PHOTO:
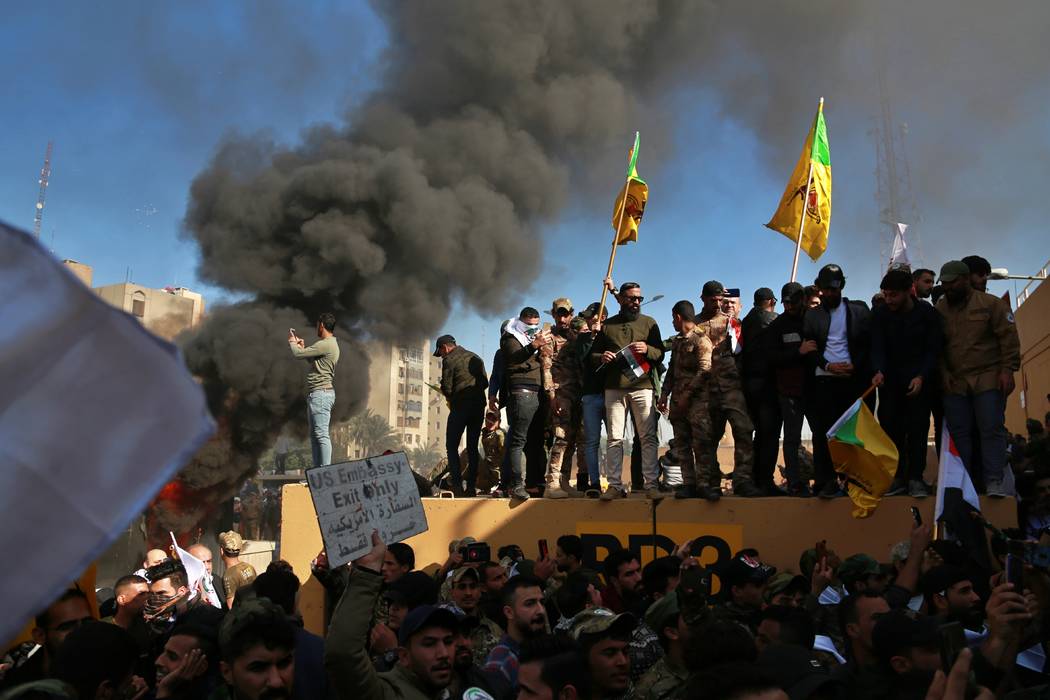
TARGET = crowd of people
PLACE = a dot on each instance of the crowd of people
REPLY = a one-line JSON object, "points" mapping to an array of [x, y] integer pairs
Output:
{"points": [[936, 347], [931, 622]]}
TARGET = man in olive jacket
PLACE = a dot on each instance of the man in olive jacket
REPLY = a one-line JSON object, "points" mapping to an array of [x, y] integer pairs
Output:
{"points": [[629, 384], [463, 382], [426, 638]]}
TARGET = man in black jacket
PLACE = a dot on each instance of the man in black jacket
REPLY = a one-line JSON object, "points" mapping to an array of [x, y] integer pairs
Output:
{"points": [[787, 353], [839, 369], [520, 347], [463, 382], [906, 344], [759, 390]]}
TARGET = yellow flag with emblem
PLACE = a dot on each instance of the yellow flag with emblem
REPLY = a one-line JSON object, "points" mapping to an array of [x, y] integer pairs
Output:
{"points": [[808, 192], [627, 215]]}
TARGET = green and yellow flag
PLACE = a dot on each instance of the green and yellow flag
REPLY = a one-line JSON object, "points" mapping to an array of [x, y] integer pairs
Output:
{"points": [[788, 216], [865, 454], [637, 193]]}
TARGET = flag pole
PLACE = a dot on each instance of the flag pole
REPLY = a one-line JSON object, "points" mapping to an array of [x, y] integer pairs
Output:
{"points": [[805, 205], [616, 238]]}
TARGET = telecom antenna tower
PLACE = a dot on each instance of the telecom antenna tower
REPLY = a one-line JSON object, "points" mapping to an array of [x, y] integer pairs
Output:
{"points": [[893, 191], [45, 173]]}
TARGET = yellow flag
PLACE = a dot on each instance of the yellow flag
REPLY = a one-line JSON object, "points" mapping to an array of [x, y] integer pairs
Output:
{"points": [[816, 202], [862, 450], [627, 216]]}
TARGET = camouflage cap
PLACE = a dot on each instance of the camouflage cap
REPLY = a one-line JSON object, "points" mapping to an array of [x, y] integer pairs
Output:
{"points": [[784, 581], [561, 303], [578, 324], [599, 621], [712, 288], [856, 567], [663, 612], [456, 545], [458, 574], [248, 612], [231, 541]]}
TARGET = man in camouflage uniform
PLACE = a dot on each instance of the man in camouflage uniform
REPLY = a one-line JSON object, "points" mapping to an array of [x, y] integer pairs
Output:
{"points": [[685, 382], [563, 384], [666, 676], [724, 398], [465, 593], [493, 440]]}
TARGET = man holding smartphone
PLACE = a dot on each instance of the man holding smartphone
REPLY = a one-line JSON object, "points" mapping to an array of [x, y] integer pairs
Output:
{"points": [[320, 390]]}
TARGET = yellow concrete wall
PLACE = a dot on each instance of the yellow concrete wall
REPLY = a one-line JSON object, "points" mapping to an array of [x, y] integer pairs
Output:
{"points": [[780, 528], [1033, 327]]}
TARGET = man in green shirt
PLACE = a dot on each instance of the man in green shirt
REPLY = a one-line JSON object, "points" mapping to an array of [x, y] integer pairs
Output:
{"points": [[320, 391]]}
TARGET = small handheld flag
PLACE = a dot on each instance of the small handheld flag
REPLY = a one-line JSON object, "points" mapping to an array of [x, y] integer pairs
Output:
{"points": [[862, 450]]}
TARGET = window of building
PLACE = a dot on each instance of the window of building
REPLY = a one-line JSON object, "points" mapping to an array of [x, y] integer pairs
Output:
{"points": [[400, 422]]}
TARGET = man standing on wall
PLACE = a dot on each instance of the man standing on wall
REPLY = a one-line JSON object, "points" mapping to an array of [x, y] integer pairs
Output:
{"points": [[320, 391], [463, 382]]}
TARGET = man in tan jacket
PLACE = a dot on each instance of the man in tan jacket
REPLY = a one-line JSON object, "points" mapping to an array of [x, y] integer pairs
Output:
{"points": [[981, 354]]}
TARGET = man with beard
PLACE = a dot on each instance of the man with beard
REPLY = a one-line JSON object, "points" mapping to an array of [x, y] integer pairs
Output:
{"points": [[951, 598], [629, 387], [723, 397], [568, 556], [787, 353], [907, 651], [839, 367], [860, 573], [466, 594], [257, 650], [562, 382], [980, 271], [923, 280], [469, 680], [520, 346], [426, 638], [905, 346], [981, 354], [53, 625], [185, 667], [623, 579], [526, 617], [604, 637], [238, 573]]}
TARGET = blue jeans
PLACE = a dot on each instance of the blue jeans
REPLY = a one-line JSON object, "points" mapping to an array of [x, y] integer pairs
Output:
{"points": [[985, 414], [593, 417], [319, 408], [521, 409], [463, 419]]}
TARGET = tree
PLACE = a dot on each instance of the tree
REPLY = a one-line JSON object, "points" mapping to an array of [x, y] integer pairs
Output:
{"points": [[372, 433], [423, 458]]}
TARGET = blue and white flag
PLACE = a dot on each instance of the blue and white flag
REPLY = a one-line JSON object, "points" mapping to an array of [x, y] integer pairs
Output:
{"points": [[96, 415]]}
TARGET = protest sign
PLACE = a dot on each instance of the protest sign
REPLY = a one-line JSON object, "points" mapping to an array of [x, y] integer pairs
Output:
{"points": [[353, 498]]}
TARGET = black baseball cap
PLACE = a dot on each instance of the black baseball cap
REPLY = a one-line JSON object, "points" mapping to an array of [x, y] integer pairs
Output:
{"points": [[712, 288], [978, 265], [830, 277], [764, 294], [426, 616], [745, 569], [733, 292], [941, 578], [443, 340], [792, 291], [898, 631], [591, 311]]}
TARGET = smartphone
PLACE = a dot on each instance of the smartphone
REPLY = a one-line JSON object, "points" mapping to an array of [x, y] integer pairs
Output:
{"points": [[1015, 571], [544, 550], [952, 640], [916, 516]]}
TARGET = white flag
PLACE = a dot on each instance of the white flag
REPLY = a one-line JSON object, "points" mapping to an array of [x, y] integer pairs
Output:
{"points": [[96, 414], [196, 574], [899, 256]]}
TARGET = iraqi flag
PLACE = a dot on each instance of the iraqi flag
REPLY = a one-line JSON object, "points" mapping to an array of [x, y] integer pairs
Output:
{"points": [[956, 500], [736, 334], [634, 365]]}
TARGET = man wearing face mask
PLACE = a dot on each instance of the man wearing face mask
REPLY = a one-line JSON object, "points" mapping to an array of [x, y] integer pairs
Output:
{"points": [[520, 346], [170, 597], [629, 384]]}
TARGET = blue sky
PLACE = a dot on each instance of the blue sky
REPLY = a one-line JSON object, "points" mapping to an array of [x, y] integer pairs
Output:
{"points": [[136, 99]]}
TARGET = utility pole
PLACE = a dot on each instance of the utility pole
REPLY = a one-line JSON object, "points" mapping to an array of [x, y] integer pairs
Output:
{"points": [[45, 173]]}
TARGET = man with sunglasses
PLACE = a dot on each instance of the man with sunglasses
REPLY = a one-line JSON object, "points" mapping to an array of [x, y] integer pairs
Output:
{"points": [[632, 341]]}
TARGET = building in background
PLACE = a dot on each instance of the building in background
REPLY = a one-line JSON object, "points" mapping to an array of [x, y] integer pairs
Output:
{"points": [[83, 272], [438, 415], [167, 312]]}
